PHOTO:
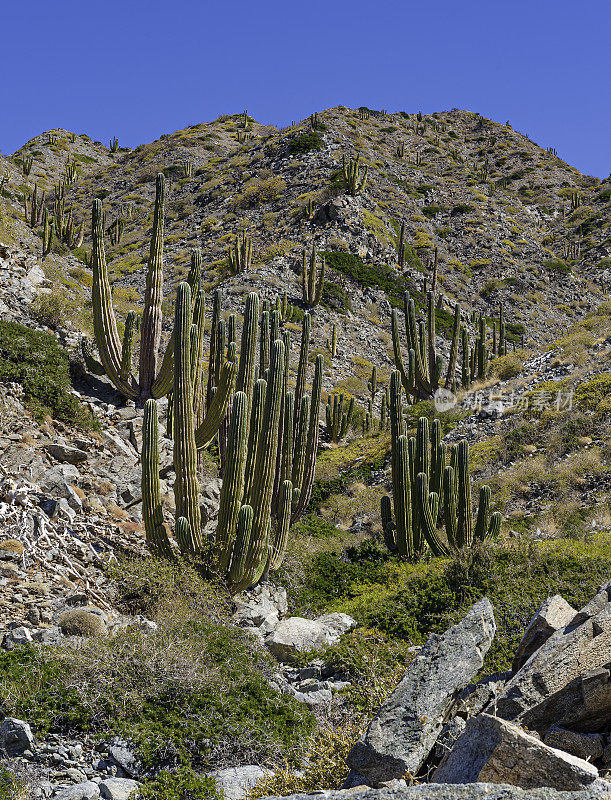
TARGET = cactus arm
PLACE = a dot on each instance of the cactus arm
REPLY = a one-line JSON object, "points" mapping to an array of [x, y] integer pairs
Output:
{"points": [[155, 530], [278, 545], [131, 326], [305, 489], [465, 521], [104, 320], [494, 528], [186, 487], [453, 348], [264, 471], [246, 374], [320, 284], [303, 361], [217, 409], [301, 433], [401, 481], [242, 542], [163, 382], [233, 482], [449, 506], [388, 526], [153, 296], [426, 506], [483, 512], [256, 418]]}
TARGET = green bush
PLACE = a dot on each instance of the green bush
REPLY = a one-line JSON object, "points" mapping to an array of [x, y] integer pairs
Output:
{"points": [[557, 265], [590, 394], [432, 210], [407, 602], [194, 694], [306, 142], [37, 362], [11, 787], [183, 784], [335, 297], [462, 208]]}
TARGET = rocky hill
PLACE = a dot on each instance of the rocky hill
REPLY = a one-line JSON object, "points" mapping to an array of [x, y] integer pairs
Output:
{"points": [[122, 673]]}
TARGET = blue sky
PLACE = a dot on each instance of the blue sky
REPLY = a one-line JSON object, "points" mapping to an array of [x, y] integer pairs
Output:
{"points": [[138, 68]]}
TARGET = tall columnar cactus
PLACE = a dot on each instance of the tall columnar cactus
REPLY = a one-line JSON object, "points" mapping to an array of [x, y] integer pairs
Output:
{"points": [[426, 492], [47, 233], [422, 377], [372, 384], [313, 281], [332, 342], [153, 381], [481, 351], [33, 208], [269, 471], [355, 178], [339, 414], [239, 254], [401, 246], [113, 145]]}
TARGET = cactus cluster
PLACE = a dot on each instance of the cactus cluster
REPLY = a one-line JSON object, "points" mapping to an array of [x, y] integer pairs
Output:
{"points": [[339, 412], [270, 441], [428, 494], [312, 279], [239, 254], [355, 178], [423, 374]]}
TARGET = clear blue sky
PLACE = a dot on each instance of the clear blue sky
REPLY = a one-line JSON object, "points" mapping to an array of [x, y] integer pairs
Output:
{"points": [[140, 68]]}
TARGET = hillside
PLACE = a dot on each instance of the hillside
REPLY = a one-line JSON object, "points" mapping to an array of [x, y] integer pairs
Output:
{"points": [[148, 672]]}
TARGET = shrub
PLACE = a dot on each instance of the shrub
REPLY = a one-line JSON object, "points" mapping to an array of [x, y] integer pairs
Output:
{"points": [[258, 191], [508, 366], [432, 210], [557, 265], [194, 693], [53, 309], [37, 362], [11, 787], [183, 784], [306, 142], [462, 208], [590, 394], [335, 297]]}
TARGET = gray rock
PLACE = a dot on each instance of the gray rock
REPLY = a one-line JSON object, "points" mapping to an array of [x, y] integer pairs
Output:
{"points": [[435, 791], [405, 729], [15, 736], [122, 754], [117, 788], [298, 635], [88, 790], [588, 746], [236, 782], [54, 480], [492, 750], [553, 614], [66, 454], [566, 681]]}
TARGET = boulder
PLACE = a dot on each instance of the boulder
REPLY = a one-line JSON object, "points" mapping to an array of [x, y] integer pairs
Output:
{"points": [[588, 746], [405, 729], [434, 791], [88, 790], [117, 788], [236, 782], [66, 454], [492, 750], [566, 681], [553, 614], [298, 635], [15, 736]]}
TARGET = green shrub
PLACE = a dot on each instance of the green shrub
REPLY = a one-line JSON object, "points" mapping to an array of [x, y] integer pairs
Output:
{"points": [[462, 208], [183, 784], [508, 366], [11, 787], [432, 210], [306, 142], [335, 297], [195, 693], [407, 602], [37, 362], [557, 265], [590, 394]]}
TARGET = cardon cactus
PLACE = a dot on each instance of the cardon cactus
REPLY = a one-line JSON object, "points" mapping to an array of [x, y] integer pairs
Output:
{"points": [[422, 377], [313, 281], [355, 179], [239, 254], [427, 493], [269, 460], [339, 414], [153, 380]]}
